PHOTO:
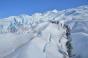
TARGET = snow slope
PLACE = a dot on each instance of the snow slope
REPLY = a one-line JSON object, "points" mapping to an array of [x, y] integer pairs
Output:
{"points": [[53, 34]]}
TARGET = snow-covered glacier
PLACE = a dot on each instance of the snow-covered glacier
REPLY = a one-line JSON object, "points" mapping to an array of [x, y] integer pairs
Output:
{"points": [[52, 34]]}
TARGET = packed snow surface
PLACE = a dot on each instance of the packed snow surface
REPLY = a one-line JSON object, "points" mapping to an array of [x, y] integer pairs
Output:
{"points": [[44, 35]]}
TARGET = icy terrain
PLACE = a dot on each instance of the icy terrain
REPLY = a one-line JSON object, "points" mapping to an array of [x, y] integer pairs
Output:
{"points": [[53, 34]]}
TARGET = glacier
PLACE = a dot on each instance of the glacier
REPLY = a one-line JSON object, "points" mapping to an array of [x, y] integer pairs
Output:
{"points": [[52, 34]]}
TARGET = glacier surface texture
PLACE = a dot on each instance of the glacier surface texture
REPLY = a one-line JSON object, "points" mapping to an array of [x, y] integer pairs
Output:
{"points": [[53, 34]]}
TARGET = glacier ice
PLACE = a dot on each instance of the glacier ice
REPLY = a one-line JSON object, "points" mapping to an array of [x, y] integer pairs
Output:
{"points": [[53, 34]]}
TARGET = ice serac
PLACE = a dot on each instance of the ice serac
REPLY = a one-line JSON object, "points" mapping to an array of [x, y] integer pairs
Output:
{"points": [[54, 34]]}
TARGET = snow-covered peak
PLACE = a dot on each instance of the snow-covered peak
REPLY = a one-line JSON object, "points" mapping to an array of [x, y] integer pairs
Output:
{"points": [[78, 13]]}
